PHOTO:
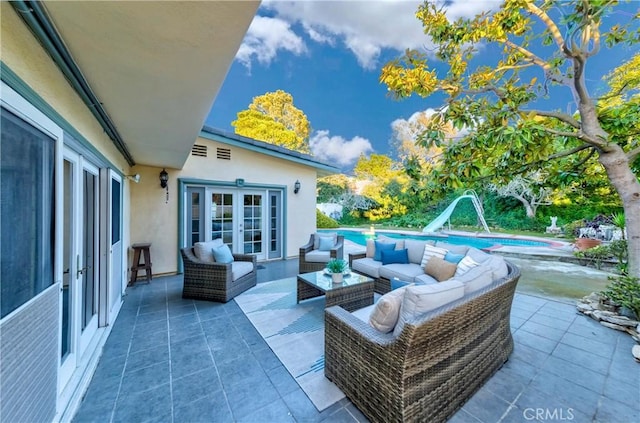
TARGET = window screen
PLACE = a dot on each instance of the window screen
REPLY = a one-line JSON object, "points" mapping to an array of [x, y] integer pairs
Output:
{"points": [[27, 211]]}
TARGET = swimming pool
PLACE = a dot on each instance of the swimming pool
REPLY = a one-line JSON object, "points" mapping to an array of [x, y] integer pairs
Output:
{"points": [[360, 237]]}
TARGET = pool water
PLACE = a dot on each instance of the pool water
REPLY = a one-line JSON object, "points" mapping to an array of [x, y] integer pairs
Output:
{"points": [[360, 237]]}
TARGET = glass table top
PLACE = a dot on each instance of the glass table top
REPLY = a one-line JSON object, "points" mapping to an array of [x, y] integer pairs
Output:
{"points": [[322, 280]]}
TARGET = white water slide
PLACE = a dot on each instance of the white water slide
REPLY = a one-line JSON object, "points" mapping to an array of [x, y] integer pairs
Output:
{"points": [[443, 218]]}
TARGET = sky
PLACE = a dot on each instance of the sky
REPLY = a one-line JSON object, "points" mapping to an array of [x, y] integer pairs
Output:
{"points": [[328, 55]]}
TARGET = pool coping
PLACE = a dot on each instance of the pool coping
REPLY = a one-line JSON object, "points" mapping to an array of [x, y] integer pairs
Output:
{"points": [[552, 244]]}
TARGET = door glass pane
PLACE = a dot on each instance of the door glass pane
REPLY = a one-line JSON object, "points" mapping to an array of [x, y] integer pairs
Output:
{"points": [[67, 257], [115, 211], [252, 221], [222, 217], [27, 209], [89, 281], [195, 217]]}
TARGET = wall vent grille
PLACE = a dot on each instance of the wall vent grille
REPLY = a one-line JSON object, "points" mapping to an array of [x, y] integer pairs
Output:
{"points": [[223, 153], [199, 150]]}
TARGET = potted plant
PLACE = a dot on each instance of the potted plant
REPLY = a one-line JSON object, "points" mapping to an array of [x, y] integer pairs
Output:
{"points": [[336, 268]]}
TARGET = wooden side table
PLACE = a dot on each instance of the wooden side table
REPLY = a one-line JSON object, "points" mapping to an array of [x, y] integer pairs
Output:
{"points": [[137, 266]]}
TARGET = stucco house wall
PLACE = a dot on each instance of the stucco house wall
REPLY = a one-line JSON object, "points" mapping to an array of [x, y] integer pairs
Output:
{"points": [[155, 220], [22, 53], [29, 346]]}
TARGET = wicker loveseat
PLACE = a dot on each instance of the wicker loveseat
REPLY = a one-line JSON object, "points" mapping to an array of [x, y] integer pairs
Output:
{"points": [[311, 258], [215, 281], [428, 371]]}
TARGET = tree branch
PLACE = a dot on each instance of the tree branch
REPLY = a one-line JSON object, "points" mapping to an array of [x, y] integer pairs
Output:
{"points": [[549, 23], [563, 117], [504, 68], [569, 152], [596, 43], [548, 70], [563, 133]]}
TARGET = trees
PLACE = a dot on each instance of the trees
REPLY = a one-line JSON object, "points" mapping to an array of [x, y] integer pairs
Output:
{"points": [[383, 183], [273, 118], [511, 132], [529, 190]]}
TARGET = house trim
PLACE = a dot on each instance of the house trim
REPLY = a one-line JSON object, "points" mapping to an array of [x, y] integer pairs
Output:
{"points": [[182, 189], [36, 18], [72, 137], [266, 149]]}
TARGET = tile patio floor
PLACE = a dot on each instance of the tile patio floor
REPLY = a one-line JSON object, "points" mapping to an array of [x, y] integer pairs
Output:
{"points": [[174, 360]]}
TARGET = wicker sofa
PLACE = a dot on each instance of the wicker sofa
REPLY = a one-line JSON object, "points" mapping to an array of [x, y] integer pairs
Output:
{"points": [[206, 280], [311, 258], [413, 271], [428, 371]]}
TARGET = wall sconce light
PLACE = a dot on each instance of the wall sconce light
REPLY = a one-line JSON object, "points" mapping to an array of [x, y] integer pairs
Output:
{"points": [[135, 178], [296, 187], [164, 178]]}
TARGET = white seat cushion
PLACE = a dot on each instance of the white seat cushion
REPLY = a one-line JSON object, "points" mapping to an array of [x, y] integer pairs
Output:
{"points": [[240, 268], [475, 279], [204, 250], [364, 313], [478, 255], [415, 250], [454, 248], [402, 271], [367, 266], [317, 256], [425, 279], [419, 299], [498, 267]]}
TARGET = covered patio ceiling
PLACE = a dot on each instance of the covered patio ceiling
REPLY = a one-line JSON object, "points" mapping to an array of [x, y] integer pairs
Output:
{"points": [[155, 67]]}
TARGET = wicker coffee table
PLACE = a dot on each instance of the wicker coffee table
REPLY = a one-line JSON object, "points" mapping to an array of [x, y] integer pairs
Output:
{"points": [[354, 292]]}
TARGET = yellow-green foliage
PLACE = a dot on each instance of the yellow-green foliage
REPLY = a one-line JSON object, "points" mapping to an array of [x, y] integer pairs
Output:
{"points": [[324, 221], [273, 118]]}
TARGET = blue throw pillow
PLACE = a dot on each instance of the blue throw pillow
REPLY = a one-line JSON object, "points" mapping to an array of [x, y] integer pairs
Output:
{"points": [[326, 243], [395, 256], [380, 246], [397, 283], [453, 257], [222, 254]]}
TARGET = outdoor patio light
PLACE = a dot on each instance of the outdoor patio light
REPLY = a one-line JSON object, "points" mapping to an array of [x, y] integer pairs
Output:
{"points": [[164, 178], [296, 187], [135, 178]]}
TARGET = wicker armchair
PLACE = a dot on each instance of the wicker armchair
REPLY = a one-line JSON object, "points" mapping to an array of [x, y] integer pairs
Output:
{"points": [[214, 281], [436, 364], [321, 257]]}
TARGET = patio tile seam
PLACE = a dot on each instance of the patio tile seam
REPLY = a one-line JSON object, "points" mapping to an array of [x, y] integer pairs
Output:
{"points": [[170, 358], [512, 404], [215, 365], [124, 368]]}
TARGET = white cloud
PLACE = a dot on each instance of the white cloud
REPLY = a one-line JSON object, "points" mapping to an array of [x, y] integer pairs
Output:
{"points": [[338, 150], [410, 129], [363, 27], [265, 37]]}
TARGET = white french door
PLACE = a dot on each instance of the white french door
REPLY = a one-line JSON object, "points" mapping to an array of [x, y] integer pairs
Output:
{"points": [[241, 218], [252, 225], [80, 260]]}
